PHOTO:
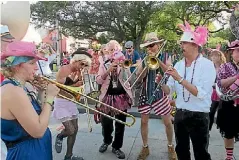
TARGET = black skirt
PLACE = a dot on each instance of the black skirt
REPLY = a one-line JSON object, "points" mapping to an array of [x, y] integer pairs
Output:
{"points": [[228, 119]]}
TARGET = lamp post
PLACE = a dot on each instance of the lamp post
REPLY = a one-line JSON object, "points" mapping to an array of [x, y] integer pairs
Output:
{"points": [[58, 40]]}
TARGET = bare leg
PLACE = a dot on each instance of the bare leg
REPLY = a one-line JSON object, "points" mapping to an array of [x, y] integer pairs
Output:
{"points": [[168, 127], [144, 128]]}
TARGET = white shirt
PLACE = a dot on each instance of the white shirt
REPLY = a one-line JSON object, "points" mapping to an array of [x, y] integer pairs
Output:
{"points": [[203, 79], [45, 65]]}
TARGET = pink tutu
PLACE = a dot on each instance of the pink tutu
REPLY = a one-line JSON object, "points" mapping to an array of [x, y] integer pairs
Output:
{"points": [[64, 110], [121, 102]]}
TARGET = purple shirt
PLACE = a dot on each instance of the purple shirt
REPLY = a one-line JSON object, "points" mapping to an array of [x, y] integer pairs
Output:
{"points": [[225, 71]]}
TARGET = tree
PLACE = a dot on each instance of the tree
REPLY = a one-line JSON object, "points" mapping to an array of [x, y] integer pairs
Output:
{"points": [[165, 22], [125, 20]]}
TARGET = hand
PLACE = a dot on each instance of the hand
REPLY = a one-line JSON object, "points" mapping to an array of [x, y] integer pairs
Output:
{"points": [[52, 90], [113, 66], [158, 78], [173, 72]]}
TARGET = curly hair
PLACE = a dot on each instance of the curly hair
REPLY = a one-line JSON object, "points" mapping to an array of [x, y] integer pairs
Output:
{"points": [[221, 55], [7, 72]]}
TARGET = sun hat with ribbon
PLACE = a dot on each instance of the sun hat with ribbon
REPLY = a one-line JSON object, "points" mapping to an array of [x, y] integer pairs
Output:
{"points": [[233, 45], [151, 38], [197, 36], [19, 52]]}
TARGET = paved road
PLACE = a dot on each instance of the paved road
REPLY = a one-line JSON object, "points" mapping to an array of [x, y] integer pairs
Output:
{"points": [[87, 144]]}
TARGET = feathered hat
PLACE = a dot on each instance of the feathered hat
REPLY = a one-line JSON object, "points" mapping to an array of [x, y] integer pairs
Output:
{"points": [[197, 36]]}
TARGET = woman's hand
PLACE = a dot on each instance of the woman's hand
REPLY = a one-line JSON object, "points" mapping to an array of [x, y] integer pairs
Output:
{"points": [[52, 90], [112, 67]]}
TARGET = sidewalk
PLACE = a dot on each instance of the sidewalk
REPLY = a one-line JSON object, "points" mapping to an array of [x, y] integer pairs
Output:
{"points": [[87, 144]]}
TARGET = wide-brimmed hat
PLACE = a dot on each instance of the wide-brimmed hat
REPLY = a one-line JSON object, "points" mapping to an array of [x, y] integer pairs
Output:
{"points": [[233, 45], [21, 48], [19, 52], [197, 36], [151, 38]]}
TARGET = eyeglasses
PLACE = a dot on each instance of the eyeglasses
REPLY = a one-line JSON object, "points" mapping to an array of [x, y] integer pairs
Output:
{"points": [[128, 48], [150, 46]]}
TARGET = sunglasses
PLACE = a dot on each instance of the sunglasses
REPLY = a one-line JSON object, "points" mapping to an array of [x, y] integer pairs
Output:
{"points": [[84, 64], [127, 48], [150, 46]]}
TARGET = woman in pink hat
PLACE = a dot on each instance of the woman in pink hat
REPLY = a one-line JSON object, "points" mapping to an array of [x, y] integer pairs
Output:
{"points": [[227, 118], [218, 58], [23, 120]]}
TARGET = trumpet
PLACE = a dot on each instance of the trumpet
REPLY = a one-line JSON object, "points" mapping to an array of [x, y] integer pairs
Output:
{"points": [[127, 63], [74, 95], [152, 63]]}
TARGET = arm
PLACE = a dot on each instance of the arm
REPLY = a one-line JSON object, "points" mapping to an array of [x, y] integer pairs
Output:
{"points": [[59, 77], [33, 123], [138, 59], [102, 74], [222, 77], [206, 81]]}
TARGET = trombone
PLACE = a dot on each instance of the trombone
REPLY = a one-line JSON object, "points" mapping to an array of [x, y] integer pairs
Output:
{"points": [[75, 95], [152, 63]]}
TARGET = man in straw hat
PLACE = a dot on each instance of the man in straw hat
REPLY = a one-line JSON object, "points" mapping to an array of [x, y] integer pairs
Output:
{"points": [[161, 103], [192, 79]]}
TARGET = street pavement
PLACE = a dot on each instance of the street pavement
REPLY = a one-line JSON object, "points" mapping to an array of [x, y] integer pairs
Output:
{"points": [[87, 144]]}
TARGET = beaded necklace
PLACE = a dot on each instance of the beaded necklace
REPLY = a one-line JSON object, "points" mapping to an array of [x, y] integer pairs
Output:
{"points": [[189, 96]]}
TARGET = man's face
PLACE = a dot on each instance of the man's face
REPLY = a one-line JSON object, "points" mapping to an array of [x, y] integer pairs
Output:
{"points": [[152, 48], [187, 48], [129, 50]]}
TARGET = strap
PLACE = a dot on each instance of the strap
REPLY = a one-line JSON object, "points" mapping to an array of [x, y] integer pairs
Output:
{"points": [[8, 81]]}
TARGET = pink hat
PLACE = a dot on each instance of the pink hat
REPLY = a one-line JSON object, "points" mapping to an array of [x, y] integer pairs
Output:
{"points": [[197, 36], [21, 49], [233, 45]]}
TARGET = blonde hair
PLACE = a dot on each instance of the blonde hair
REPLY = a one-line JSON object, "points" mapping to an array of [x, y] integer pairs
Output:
{"points": [[7, 72], [221, 55]]}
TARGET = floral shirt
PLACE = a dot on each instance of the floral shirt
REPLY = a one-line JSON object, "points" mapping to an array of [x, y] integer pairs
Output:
{"points": [[225, 71]]}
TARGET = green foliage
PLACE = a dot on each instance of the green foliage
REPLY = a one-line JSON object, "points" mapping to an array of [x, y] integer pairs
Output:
{"points": [[131, 20]]}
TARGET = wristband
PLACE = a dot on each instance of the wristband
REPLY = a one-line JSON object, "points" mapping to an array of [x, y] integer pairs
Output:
{"points": [[50, 101], [181, 80]]}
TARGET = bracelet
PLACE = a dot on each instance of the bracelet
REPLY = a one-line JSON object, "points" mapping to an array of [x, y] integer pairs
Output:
{"points": [[181, 80], [49, 101]]}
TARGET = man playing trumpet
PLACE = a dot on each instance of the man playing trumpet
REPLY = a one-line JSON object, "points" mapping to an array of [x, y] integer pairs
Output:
{"points": [[66, 111], [160, 105]]}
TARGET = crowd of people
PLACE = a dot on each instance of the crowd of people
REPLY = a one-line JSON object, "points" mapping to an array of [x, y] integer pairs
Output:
{"points": [[193, 79]]}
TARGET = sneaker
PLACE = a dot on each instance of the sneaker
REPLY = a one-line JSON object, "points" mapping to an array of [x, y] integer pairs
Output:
{"points": [[103, 148], [73, 158], [171, 153], [119, 154], [58, 143], [143, 154]]}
